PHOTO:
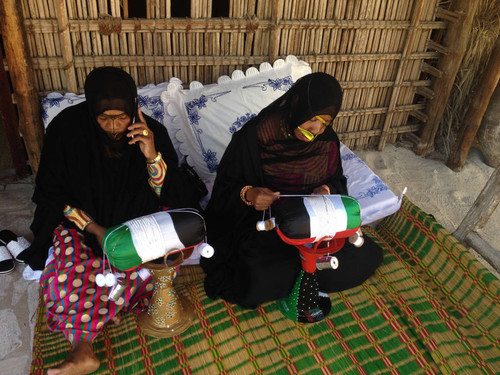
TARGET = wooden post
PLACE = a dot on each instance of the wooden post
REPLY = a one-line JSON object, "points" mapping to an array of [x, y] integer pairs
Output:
{"points": [[488, 252], [9, 117], [475, 113], [478, 215], [21, 74], [455, 41], [483, 207]]}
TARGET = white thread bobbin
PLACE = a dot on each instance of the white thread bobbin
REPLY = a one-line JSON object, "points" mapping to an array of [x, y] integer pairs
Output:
{"points": [[266, 225], [206, 250], [357, 239], [100, 280], [334, 263], [110, 279], [327, 262]]}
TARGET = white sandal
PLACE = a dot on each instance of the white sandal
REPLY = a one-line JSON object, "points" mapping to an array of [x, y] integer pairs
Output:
{"points": [[6, 261], [16, 245]]}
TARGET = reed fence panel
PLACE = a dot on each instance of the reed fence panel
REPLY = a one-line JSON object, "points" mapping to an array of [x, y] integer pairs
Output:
{"points": [[378, 49]]}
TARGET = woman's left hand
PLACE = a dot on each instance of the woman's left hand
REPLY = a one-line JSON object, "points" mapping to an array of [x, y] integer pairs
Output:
{"points": [[321, 190], [97, 230], [140, 133]]}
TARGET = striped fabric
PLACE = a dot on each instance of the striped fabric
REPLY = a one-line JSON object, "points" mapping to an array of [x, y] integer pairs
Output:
{"points": [[430, 308]]}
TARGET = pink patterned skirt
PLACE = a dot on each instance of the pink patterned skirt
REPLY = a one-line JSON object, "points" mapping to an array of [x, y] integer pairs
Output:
{"points": [[74, 303]]}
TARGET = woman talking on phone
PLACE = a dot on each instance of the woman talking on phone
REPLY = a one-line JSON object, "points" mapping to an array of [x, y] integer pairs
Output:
{"points": [[103, 163]]}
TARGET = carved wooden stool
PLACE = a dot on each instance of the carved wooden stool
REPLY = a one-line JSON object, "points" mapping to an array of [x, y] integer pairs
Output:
{"points": [[169, 313]]}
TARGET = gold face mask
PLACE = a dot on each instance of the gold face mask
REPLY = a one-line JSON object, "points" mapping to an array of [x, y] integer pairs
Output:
{"points": [[307, 133], [310, 136]]}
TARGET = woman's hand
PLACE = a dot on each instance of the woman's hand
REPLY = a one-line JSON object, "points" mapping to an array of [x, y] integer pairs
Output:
{"points": [[140, 133], [261, 197], [321, 190], [97, 230]]}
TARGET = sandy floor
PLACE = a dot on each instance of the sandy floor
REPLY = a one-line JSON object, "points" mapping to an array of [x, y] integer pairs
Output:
{"points": [[431, 185], [435, 188], [18, 297]]}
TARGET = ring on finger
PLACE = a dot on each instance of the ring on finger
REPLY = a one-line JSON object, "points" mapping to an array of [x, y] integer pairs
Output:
{"points": [[145, 132]]}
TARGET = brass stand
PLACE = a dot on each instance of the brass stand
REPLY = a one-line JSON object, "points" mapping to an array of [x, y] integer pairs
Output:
{"points": [[169, 313]]}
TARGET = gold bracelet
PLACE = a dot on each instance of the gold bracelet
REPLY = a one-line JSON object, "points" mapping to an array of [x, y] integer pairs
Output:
{"points": [[243, 194], [155, 160]]}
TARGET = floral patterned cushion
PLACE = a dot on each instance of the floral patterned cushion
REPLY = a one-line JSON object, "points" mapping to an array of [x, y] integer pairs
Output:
{"points": [[207, 116]]}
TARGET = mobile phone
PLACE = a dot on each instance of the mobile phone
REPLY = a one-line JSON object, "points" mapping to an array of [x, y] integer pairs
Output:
{"points": [[136, 115]]}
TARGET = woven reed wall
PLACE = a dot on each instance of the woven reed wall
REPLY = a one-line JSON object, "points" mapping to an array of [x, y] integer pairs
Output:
{"points": [[380, 50]]}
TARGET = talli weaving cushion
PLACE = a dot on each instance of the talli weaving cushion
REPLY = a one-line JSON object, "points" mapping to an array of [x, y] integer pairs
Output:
{"points": [[149, 237], [313, 218]]}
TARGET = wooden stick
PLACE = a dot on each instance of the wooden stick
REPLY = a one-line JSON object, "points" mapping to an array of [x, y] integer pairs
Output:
{"points": [[67, 51], [274, 37], [475, 113], [456, 40], [19, 61]]}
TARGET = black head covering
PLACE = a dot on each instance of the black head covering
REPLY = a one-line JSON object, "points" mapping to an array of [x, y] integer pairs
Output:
{"points": [[314, 94], [110, 88]]}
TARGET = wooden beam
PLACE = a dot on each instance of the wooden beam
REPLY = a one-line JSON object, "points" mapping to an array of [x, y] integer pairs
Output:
{"points": [[483, 207], [455, 41], [429, 69], [488, 252], [213, 25], [54, 62], [22, 76], [475, 112], [10, 122]]}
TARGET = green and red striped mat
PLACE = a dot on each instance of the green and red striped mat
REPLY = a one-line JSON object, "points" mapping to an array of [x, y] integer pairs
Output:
{"points": [[431, 307]]}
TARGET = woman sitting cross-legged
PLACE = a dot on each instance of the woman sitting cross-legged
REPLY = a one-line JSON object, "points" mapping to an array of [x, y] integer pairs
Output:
{"points": [[103, 163], [289, 148]]}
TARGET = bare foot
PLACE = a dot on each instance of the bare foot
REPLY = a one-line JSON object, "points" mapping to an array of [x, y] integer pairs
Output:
{"points": [[117, 319], [80, 361]]}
